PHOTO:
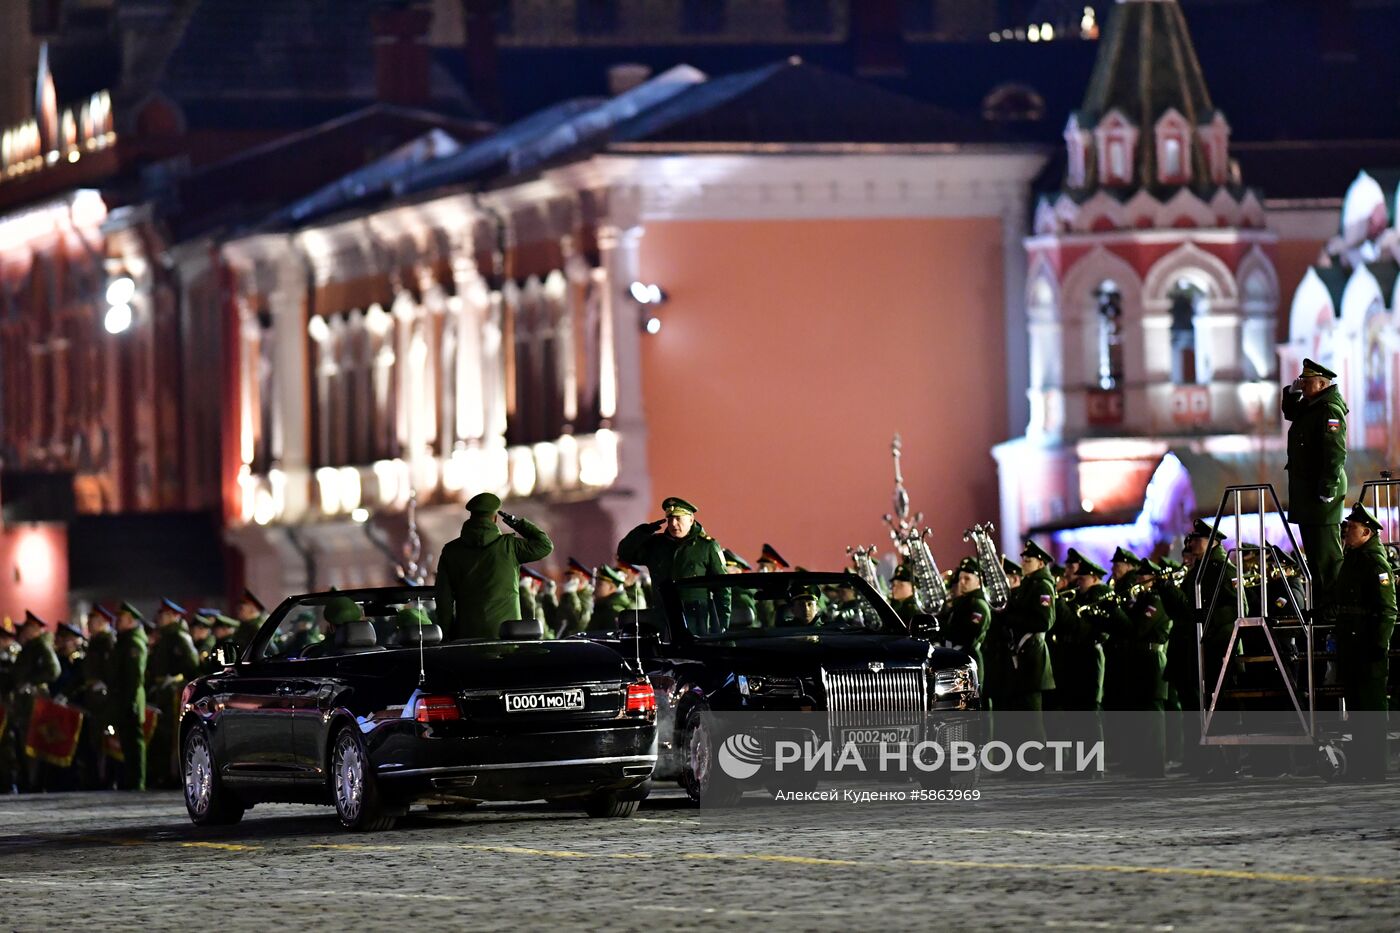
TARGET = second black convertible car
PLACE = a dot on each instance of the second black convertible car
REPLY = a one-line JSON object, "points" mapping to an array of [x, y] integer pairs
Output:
{"points": [[791, 642], [376, 714]]}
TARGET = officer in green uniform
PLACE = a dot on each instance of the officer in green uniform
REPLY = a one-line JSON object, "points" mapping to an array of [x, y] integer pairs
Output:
{"points": [[36, 669], [576, 600], [609, 600], [676, 548], [1142, 685], [970, 615], [1015, 573], [478, 576], [1317, 457], [96, 675], [744, 613], [172, 660], [1122, 576], [1029, 615], [906, 604], [202, 635], [1361, 604], [532, 604], [127, 694], [1096, 615], [251, 614], [638, 587]]}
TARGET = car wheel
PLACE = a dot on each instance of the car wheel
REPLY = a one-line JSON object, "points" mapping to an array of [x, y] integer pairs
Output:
{"points": [[702, 778], [610, 806], [357, 798], [208, 803]]}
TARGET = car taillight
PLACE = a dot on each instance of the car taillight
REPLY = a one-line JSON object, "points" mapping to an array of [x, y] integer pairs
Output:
{"points": [[437, 709], [641, 698]]}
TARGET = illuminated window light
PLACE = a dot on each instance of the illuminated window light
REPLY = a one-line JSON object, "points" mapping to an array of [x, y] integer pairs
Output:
{"points": [[995, 37], [117, 319], [349, 488], [1033, 33], [1047, 32]]}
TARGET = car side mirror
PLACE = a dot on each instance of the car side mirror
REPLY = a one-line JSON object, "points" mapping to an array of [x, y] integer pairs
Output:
{"points": [[923, 623], [226, 655]]}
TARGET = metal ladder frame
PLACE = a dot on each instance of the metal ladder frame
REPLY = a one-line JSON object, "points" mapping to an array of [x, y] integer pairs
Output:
{"points": [[1306, 720]]}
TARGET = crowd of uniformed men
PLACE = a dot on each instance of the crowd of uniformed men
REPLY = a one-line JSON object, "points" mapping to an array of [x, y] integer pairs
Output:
{"points": [[1074, 637]]}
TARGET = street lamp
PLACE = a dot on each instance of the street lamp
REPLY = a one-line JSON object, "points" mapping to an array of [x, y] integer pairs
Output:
{"points": [[651, 297]]}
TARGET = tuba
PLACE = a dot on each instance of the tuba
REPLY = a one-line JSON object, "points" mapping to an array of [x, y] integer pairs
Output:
{"points": [[930, 589], [993, 573]]}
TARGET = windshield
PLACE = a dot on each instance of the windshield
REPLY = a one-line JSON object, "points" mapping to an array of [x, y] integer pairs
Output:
{"points": [[392, 619], [759, 603]]}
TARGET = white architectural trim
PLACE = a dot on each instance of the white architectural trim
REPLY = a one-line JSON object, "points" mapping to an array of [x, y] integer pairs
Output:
{"points": [[1310, 300], [1223, 236], [1361, 294], [1363, 198], [1185, 203], [1222, 288]]}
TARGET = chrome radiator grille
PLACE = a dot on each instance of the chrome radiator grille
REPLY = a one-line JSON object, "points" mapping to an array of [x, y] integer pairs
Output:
{"points": [[888, 690]]}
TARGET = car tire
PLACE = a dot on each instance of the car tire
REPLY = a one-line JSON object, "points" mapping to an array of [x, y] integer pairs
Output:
{"points": [[610, 807], [358, 801], [208, 802], [700, 775]]}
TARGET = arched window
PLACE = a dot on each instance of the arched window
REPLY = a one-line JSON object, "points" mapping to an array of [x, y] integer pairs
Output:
{"points": [[1185, 298], [1109, 301]]}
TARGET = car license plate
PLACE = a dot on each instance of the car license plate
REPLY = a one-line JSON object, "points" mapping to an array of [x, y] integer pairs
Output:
{"points": [[876, 735], [544, 700]]}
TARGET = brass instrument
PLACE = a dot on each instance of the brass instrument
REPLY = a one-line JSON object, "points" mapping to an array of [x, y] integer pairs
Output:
{"points": [[994, 581], [930, 589], [863, 558]]}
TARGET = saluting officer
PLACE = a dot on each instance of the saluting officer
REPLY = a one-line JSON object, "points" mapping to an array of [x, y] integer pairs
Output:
{"points": [[576, 602], [478, 576], [1317, 457], [1362, 605], [675, 548], [128, 694]]}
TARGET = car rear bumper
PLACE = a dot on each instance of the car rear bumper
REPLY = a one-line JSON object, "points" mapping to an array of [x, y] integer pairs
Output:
{"points": [[536, 766]]}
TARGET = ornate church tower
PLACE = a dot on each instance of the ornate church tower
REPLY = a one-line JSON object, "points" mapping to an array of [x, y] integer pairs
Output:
{"points": [[1151, 290]]}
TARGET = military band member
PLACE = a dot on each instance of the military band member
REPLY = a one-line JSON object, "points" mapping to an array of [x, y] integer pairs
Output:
{"points": [[902, 598], [36, 669], [478, 576], [609, 600], [970, 615], [1096, 615], [849, 609], [535, 590], [251, 614], [676, 547], [1317, 457], [127, 693], [70, 646], [1014, 572], [1361, 604], [1143, 685], [1122, 576], [172, 660]]}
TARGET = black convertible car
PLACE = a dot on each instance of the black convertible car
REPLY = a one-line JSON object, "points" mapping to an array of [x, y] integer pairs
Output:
{"points": [[377, 714], [762, 642]]}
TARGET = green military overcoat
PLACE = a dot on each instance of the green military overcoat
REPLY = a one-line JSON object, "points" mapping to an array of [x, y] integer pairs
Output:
{"points": [[478, 576], [1317, 452], [695, 555], [967, 625], [1030, 613], [1362, 601]]}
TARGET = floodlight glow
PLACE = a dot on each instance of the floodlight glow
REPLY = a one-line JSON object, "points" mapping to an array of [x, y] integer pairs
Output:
{"points": [[360, 515], [117, 319], [121, 290], [653, 325]]}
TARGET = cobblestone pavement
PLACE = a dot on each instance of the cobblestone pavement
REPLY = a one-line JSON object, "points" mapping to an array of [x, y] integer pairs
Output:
{"points": [[1281, 854]]}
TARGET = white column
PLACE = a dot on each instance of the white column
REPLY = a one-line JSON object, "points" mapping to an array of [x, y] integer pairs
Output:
{"points": [[287, 304]]}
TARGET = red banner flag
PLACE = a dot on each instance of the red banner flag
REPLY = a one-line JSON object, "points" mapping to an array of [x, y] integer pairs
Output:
{"points": [[53, 731]]}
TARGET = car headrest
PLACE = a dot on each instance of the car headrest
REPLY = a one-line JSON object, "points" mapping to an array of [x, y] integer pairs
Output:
{"points": [[522, 630], [355, 635], [410, 635]]}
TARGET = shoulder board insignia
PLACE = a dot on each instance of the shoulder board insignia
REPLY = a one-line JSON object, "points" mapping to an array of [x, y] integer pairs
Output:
{"points": [[1385, 578], [1047, 598], [1151, 611]]}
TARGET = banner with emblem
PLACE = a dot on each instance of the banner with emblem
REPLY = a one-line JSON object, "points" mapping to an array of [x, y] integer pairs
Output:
{"points": [[112, 744], [54, 729]]}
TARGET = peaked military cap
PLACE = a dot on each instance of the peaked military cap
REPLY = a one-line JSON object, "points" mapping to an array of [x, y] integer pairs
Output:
{"points": [[611, 573], [1035, 550], [575, 566], [847, 581], [71, 629], [1088, 568], [1282, 557], [970, 565], [222, 621], [904, 573], [675, 505], [132, 611], [172, 606], [1148, 565], [410, 616], [770, 555], [626, 567], [148, 624], [1073, 557], [810, 593], [734, 560], [1057, 570], [1360, 516], [248, 597], [1011, 567], [532, 573], [1202, 530], [1312, 368], [31, 619], [106, 613], [197, 619], [343, 609], [1123, 556], [484, 503]]}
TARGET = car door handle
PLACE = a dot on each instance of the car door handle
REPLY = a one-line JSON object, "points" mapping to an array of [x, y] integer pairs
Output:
{"points": [[284, 689]]}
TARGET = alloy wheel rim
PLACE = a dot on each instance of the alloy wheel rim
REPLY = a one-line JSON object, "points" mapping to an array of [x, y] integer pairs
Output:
{"points": [[199, 773], [700, 756], [349, 778]]}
